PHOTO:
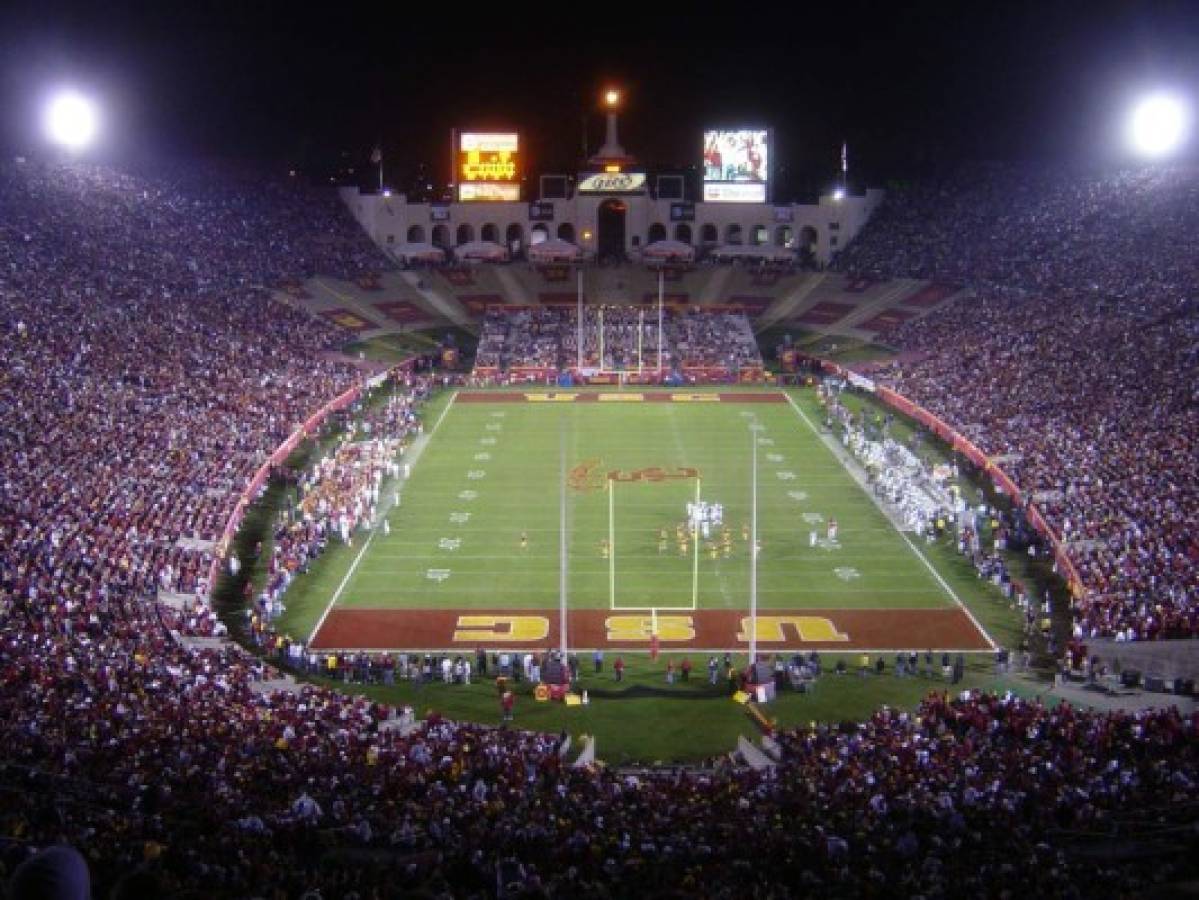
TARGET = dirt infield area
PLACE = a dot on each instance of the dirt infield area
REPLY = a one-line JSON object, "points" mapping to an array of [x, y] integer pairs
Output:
{"points": [[568, 396], [706, 630]]}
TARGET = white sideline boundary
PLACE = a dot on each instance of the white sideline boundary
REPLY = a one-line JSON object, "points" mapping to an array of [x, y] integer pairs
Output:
{"points": [[374, 528], [915, 550]]}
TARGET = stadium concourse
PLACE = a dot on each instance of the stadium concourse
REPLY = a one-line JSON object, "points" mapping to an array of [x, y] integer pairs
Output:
{"points": [[148, 374]]}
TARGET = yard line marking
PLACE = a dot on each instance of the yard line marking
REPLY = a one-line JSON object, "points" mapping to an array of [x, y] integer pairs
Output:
{"points": [[374, 529], [920, 556]]}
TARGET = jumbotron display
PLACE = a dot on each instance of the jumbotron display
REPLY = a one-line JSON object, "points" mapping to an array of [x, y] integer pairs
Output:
{"points": [[736, 165], [488, 167]]}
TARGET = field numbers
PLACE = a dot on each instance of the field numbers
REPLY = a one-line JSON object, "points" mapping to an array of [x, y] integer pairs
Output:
{"points": [[459, 518], [449, 543], [468, 495], [438, 575], [487, 441], [774, 457], [476, 474], [847, 573], [798, 496], [786, 475], [813, 518], [495, 426], [482, 457], [765, 442]]}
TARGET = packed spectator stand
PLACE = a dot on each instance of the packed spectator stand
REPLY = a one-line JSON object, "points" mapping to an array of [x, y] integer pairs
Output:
{"points": [[147, 375], [1073, 359]]}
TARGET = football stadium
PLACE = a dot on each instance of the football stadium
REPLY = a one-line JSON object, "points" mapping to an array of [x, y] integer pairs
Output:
{"points": [[437, 501]]}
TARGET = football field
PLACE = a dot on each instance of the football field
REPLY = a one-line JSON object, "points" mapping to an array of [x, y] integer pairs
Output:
{"points": [[520, 504]]}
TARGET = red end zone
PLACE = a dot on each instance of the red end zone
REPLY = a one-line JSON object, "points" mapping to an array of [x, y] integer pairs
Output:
{"points": [[568, 396], [809, 629]]}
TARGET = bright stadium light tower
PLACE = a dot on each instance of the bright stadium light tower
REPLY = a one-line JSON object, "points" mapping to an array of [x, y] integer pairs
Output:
{"points": [[1158, 125], [70, 120]]}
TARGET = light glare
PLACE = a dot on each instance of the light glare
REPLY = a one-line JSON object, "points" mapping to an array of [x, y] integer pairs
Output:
{"points": [[1158, 125], [71, 120]]}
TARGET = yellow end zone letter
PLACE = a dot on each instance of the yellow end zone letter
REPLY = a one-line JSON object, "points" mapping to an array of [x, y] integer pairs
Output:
{"points": [[773, 629], [641, 628], [550, 398], [489, 629]]}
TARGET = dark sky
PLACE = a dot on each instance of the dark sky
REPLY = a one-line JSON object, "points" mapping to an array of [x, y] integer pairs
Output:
{"points": [[908, 87]]}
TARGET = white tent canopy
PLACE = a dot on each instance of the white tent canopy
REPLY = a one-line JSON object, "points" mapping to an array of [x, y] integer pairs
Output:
{"points": [[554, 250], [669, 250], [749, 251], [419, 251], [484, 251]]}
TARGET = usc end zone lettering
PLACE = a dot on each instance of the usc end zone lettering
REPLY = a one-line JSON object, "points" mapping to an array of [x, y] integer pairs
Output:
{"points": [[487, 629], [641, 628], [550, 398], [695, 398], [773, 629]]}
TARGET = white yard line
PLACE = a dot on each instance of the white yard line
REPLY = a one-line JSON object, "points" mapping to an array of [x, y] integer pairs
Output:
{"points": [[831, 444], [414, 454]]}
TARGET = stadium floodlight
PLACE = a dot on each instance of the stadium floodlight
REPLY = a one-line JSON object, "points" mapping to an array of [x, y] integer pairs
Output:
{"points": [[1158, 125], [70, 120], [612, 98], [839, 193]]}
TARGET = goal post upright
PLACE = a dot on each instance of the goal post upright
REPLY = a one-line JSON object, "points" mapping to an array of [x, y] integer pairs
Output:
{"points": [[695, 565], [611, 543], [753, 547], [562, 557]]}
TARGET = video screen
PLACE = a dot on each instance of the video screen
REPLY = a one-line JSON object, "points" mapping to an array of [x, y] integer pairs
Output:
{"points": [[738, 156]]}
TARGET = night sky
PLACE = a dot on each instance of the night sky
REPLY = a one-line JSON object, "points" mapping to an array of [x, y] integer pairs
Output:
{"points": [[909, 88]]}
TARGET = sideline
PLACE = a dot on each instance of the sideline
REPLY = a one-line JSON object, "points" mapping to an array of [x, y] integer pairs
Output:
{"points": [[831, 444], [414, 454]]}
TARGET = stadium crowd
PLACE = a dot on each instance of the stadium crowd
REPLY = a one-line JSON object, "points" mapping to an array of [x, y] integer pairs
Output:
{"points": [[548, 337], [1072, 358], [148, 375]]}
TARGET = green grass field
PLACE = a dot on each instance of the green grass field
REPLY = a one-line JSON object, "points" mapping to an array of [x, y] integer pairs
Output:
{"points": [[490, 473]]}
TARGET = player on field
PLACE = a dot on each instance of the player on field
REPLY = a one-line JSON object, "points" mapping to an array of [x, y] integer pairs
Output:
{"points": [[524, 540], [745, 532], [605, 549], [661, 541], [832, 529]]}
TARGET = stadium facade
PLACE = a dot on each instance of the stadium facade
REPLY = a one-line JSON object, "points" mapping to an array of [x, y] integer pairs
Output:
{"points": [[638, 219]]}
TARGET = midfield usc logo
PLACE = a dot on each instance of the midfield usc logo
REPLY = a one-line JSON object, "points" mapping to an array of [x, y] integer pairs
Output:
{"points": [[587, 476]]}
